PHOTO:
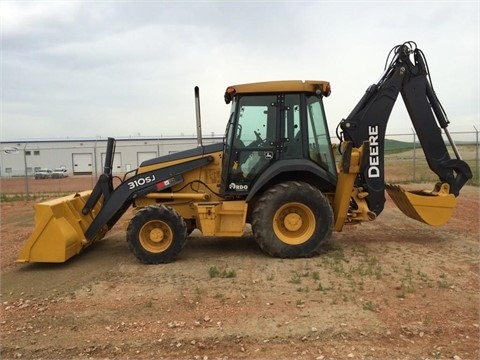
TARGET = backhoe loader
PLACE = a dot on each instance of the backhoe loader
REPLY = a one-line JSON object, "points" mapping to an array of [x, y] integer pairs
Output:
{"points": [[275, 170]]}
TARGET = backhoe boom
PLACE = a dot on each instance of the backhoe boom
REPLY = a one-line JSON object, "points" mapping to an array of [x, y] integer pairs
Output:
{"points": [[368, 122]]}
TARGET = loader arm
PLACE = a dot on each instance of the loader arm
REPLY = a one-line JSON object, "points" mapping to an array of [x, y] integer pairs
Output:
{"points": [[368, 121], [104, 185]]}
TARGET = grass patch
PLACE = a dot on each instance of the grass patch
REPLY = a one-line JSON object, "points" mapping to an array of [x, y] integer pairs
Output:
{"points": [[15, 197], [296, 279], [214, 272], [443, 283], [369, 306], [34, 196]]}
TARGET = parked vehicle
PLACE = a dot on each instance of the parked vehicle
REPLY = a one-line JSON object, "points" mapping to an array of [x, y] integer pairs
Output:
{"points": [[60, 173], [43, 174]]}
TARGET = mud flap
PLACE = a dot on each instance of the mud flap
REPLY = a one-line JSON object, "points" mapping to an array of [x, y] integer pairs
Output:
{"points": [[433, 207], [59, 231]]}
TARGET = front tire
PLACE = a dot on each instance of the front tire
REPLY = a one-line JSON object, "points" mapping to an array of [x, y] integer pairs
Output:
{"points": [[291, 220], [156, 235]]}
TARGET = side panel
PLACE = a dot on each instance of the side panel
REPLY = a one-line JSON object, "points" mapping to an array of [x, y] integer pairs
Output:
{"points": [[204, 180], [221, 218]]}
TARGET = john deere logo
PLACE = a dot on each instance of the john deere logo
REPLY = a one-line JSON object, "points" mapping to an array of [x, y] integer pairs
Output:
{"points": [[10, 150]]}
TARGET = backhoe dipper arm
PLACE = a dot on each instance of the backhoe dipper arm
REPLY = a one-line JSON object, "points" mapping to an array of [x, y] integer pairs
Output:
{"points": [[368, 122]]}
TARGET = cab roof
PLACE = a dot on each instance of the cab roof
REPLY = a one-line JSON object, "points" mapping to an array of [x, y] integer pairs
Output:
{"points": [[281, 86]]}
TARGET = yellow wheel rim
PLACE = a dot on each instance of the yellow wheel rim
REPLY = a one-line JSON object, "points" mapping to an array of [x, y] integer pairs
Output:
{"points": [[156, 236], [294, 223]]}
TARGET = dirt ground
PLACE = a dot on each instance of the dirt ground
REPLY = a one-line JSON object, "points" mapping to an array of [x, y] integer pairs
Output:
{"points": [[390, 289]]}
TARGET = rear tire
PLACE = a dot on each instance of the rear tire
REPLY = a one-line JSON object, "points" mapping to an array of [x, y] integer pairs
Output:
{"points": [[156, 235], [292, 220]]}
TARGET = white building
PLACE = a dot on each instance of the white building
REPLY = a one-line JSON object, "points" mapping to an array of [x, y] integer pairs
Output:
{"points": [[87, 156]]}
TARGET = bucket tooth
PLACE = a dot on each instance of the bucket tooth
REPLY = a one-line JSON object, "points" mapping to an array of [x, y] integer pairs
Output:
{"points": [[430, 207], [59, 230]]}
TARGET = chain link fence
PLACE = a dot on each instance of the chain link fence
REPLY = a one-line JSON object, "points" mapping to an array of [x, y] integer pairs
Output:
{"points": [[404, 161]]}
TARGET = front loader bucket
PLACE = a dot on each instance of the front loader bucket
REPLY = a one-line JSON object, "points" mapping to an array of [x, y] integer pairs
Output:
{"points": [[430, 207], [59, 229]]}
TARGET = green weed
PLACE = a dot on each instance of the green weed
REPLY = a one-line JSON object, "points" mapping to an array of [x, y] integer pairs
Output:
{"points": [[296, 279], [213, 271], [370, 306]]}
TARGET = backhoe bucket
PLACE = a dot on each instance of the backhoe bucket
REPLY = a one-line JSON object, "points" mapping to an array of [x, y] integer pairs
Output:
{"points": [[59, 229], [430, 207]]}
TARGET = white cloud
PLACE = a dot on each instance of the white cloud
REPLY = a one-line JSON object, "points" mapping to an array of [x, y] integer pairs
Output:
{"points": [[27, 17]]}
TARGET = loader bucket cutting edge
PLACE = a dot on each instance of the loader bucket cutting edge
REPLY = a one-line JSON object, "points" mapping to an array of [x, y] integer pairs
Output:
{"points": [[430, 207], [59, 229]]}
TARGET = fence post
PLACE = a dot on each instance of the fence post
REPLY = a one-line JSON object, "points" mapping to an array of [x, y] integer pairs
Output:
{"points": [[27, 190], [476, 153], [414, 154], [95, 158]]}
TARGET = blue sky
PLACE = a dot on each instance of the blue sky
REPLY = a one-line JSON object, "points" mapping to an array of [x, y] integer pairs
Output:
{"points": [[128, 68]]}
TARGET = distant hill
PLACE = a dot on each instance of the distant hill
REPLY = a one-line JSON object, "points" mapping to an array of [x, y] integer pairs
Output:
{"points": [[395, 146]]}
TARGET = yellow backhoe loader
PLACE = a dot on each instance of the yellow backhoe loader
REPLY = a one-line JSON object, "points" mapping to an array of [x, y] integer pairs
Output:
{"points": [[275, 170]]}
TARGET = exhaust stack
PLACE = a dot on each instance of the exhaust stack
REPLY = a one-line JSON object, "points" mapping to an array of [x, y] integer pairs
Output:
{"points": [[197, 115]]}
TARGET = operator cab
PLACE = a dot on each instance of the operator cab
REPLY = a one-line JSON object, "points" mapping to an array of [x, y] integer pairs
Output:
{"points": [[271, 122]]}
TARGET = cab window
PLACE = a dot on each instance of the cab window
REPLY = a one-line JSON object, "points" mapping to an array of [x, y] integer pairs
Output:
{"points": [[319, 146]]}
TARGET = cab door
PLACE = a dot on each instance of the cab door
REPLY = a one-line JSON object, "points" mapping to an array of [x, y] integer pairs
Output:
{"points": [[251, 143]]}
